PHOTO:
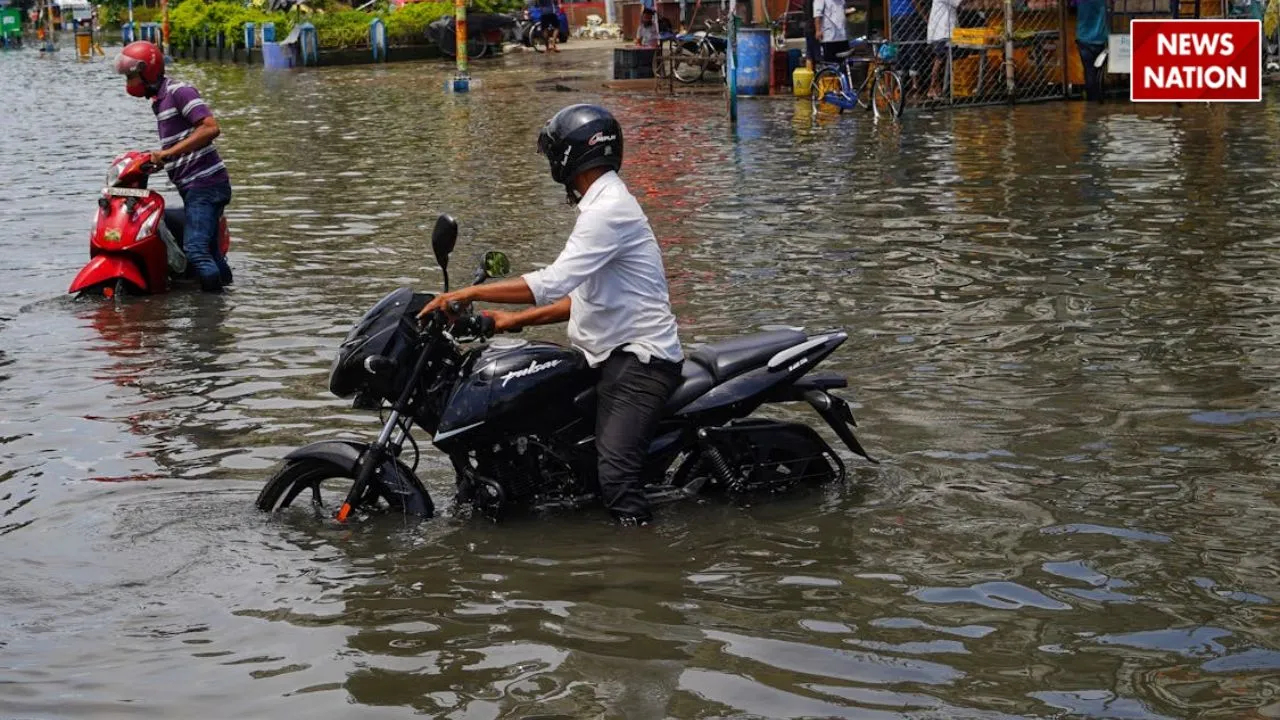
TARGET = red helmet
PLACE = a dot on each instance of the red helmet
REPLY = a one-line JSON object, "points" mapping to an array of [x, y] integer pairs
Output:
{"points": [[141, 59]]}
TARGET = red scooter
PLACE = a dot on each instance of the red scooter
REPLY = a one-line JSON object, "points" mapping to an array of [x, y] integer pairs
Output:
{"points": [[135, 246]]}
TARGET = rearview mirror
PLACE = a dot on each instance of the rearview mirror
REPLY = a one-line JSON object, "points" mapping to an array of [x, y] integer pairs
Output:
{"points": [[443, 239], [496, 264]]}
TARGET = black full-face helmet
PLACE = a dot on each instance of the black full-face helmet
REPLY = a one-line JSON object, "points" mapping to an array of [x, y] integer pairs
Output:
{"points": [[578, 138]]}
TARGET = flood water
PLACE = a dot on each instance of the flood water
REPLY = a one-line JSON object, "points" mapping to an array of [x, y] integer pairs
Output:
{"points": [[1063, 344]]}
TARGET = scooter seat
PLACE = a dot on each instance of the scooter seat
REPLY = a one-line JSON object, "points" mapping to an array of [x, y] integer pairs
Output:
{"points": [[733, 357], [176, 219]]}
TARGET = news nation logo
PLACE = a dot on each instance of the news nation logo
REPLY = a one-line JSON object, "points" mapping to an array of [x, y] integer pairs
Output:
{"points": [[1196, 61]]}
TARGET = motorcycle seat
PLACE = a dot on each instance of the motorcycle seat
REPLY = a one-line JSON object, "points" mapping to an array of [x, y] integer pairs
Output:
{"points": [[176, 219], [694, 381], [735, 356]]}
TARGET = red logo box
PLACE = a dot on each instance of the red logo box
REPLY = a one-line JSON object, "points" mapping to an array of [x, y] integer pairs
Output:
{"points": [[1196, 61]]}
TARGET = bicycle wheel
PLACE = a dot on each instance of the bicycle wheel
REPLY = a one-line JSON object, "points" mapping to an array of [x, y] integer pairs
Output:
{"points": [[688, 65], [826, 80], [477, 47], [537, 38], [866, 91], [889, 95]]}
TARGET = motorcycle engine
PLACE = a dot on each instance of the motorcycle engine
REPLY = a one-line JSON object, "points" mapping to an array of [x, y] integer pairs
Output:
{"points": [[520, 473]]}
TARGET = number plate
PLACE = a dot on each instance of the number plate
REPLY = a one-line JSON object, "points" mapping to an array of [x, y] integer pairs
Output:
{"points": [[128, 192]]}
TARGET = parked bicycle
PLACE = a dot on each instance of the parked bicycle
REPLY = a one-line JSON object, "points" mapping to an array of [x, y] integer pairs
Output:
{"points": [[693, 54], [833, 89]]}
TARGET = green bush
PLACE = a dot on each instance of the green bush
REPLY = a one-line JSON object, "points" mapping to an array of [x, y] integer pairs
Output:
{"points": [[198, 19], [409, 23], [341, 27], [496, 6]]}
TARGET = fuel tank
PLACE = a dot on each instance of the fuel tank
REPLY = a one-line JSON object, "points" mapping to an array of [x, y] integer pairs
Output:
{"points": [[514, 387]]}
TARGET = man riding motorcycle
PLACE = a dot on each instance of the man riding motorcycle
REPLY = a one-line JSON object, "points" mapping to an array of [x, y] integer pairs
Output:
{"points": [[609, 282]]}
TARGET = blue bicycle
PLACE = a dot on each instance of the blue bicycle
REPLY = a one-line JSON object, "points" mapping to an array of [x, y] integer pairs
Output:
{"points": [[833, 90]]}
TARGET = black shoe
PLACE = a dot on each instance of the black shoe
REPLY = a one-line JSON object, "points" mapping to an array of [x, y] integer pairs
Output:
{"points": [[225, 273]]}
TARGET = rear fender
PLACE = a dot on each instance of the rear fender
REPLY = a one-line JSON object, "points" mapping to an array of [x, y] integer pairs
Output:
{"points": [[836, 412], [107, 268], [395, 477]]}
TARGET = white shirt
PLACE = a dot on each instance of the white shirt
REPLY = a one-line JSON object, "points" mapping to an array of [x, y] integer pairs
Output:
{"points": [[831, 14], [612, 270], [942, 19], [647, 35]]}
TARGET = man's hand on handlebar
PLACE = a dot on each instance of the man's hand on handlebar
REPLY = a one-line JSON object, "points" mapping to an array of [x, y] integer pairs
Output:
{"points": [[449, 303], [503, 321]]}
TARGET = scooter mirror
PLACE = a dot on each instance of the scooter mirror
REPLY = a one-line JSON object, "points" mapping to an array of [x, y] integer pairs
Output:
{"points": [[443, 239], [496, 264]]}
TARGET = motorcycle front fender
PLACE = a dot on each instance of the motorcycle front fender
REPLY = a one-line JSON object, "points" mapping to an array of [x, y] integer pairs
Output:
{"points": [[395, 476], [343, 453], [107, 268]]}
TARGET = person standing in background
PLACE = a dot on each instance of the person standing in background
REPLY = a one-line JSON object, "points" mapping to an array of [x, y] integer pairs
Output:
{"points": [[942, 21], [647, 35], [829, 28], [907, 21], [1091, 41]]}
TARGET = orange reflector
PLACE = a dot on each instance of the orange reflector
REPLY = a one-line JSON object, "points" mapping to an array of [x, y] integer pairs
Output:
{"points": [[343, 512], [108, 293]]}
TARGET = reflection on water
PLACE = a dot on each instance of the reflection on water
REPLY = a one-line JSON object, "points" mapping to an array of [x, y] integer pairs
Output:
{"points": [[1062, 341]]}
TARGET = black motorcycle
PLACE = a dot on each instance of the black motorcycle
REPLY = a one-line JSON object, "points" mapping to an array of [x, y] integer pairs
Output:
{"points": [[516, 417], [485, 32]]}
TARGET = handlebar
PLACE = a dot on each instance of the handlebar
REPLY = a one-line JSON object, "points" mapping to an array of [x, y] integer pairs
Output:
{"points": [[462, 322]]}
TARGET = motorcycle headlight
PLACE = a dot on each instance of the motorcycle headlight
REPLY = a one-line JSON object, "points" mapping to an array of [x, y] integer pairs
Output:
{"points": [[148, 225], [113, 173]]}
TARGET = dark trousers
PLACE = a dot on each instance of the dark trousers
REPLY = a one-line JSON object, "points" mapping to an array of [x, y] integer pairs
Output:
{"points": [[832, 50], [1092, 76], [204, 208], [631, 395]]}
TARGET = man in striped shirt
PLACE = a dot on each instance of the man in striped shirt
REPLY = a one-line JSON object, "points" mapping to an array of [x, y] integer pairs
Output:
{"points": [[187, 131]]}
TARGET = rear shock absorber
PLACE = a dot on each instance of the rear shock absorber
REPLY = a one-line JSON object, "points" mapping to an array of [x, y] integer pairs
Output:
{"points": [[719, 466]]}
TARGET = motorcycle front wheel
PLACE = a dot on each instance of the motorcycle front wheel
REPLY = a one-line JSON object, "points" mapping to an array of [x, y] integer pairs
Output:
{"points": [[325, 486]]}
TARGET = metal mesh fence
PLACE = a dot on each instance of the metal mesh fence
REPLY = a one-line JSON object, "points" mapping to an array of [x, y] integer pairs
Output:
{"points": [[979, 51], [1271, 32]]}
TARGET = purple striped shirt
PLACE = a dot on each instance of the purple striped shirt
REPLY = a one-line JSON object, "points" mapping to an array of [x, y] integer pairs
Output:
{"points": [[178, 107]]}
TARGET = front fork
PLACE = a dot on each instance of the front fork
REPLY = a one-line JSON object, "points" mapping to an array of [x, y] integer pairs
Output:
{"points": [[372, 460]]}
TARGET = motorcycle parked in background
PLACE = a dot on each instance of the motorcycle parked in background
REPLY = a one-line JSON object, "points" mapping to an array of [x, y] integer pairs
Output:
{"points": [[485, 31]]}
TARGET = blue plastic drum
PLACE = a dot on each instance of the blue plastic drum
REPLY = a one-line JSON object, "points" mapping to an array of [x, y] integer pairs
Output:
{"points": [[755, 57]]}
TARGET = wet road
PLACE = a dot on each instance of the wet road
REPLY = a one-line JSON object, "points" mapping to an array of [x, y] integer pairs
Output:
{"points": [[1063, 343]]}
